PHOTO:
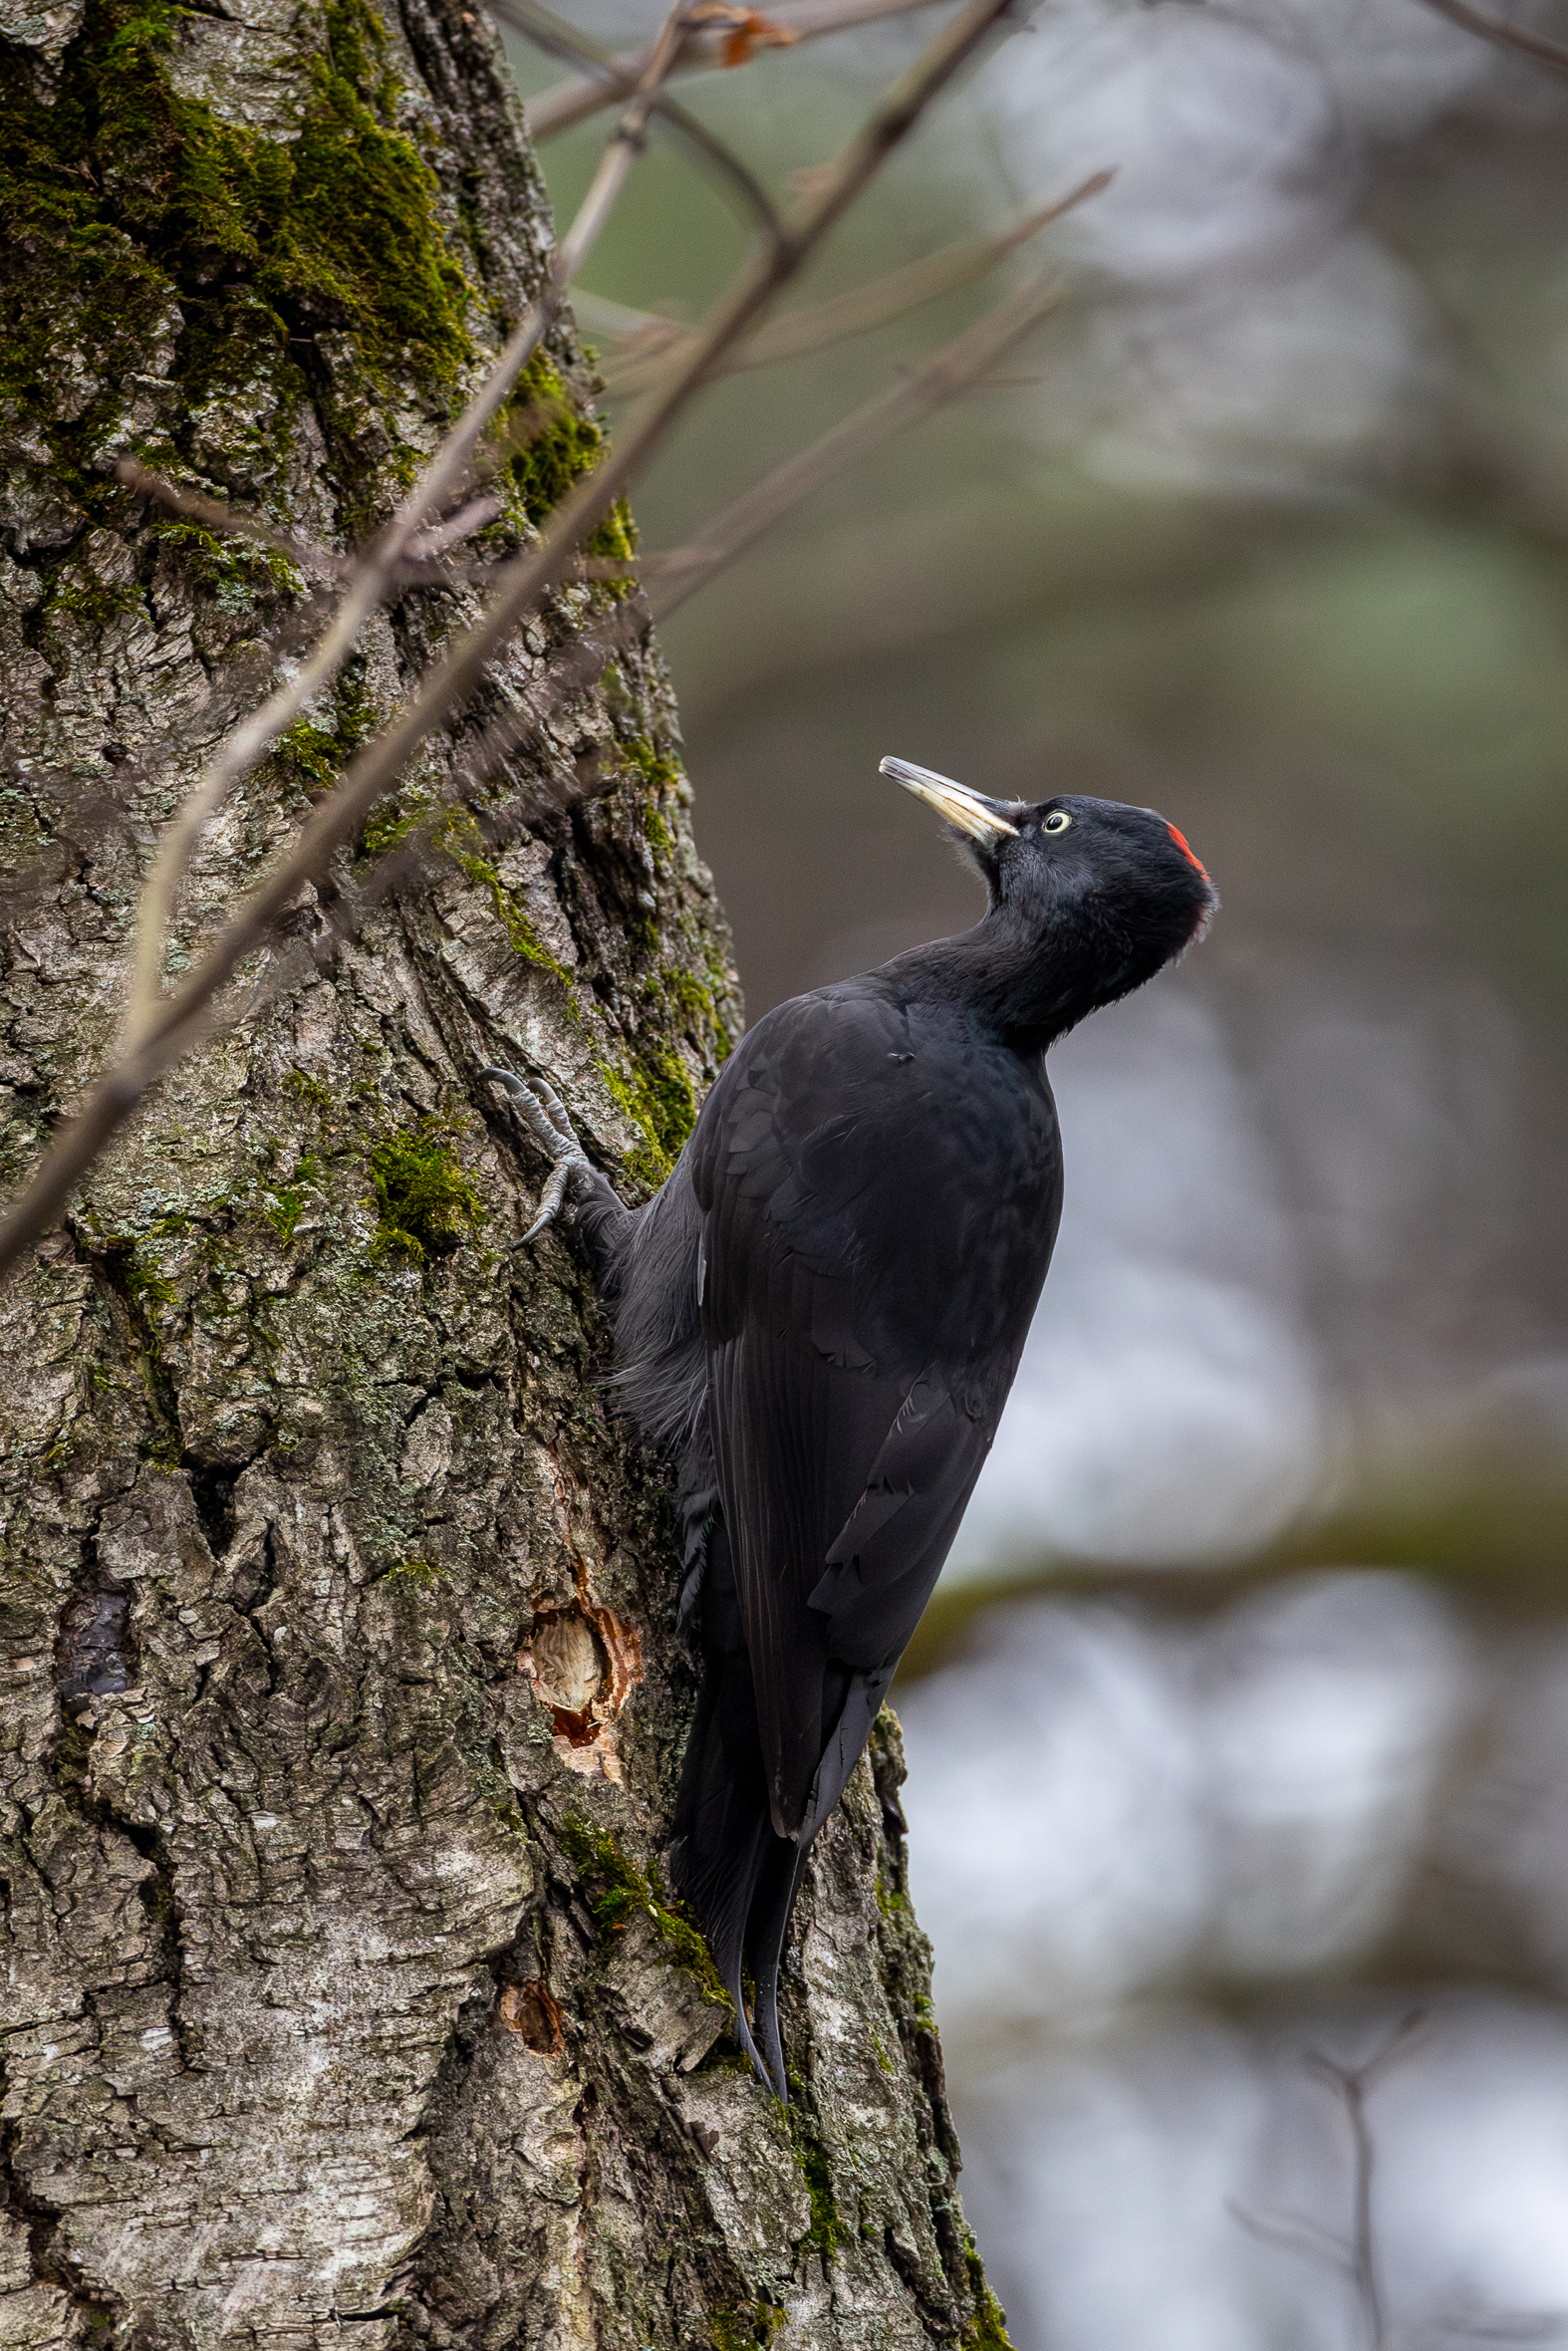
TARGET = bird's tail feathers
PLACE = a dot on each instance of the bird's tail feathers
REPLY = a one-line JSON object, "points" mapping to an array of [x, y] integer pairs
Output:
{"points": [[719, 1856], [857, 1710], [772, 1902]]}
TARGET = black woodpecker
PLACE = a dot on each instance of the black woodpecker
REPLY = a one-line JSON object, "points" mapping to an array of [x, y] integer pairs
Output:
{"points": [[820, 1315]]}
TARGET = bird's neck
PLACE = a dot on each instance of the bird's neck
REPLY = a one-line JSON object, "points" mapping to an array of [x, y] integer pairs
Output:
{"points": [[1027, 985]]}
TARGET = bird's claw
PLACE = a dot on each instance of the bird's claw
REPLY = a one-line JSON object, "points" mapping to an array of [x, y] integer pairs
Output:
{"points": [[544, 1115]]}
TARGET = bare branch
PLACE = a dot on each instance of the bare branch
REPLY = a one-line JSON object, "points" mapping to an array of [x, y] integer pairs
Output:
{"points": [[1393, 2046], [552, 33], [617, 322], [1357, 2257], [736, 175], [903, 290], [571, 103], [948, 372], [469, 518], [421, 853], [856, 312], [1292, 2232], [1550, 54], [170, 1025], [1504, 2326], [1364, 2250], [952, 369], [324, 562], [314, 561], [816, 18], [1355, 2260], [618, 156], [682, 573]]}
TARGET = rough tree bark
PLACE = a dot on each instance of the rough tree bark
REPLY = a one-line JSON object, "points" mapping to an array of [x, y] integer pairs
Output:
{"points": [[345, 2000]]}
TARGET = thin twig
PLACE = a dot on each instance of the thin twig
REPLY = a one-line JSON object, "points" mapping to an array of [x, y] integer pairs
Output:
{"points": [[903, 290], [551, 32], [1355, 2257], [572, 671], [314, 561], [732, 172], [174, 1022], [1364, 2250], [415, 571], [1550, 54], [680, 574], [1293, 2233], [1351, 2084], [954, 368], [859, 311], [470, 517], [620, 152], [571, 103], [617, 322]]}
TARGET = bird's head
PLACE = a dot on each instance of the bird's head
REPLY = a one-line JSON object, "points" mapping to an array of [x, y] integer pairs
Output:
{"points": [[1108, 893]]}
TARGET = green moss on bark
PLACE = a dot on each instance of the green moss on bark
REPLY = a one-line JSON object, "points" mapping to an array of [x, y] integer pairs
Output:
{"points": [[749, 2326], [661, 771], [463, 841], [235, 573], [122, 197], [425, 1204], [618, 1892], [314, 755], [987, 2329], [283, 1208], [827, 2230], [657, 1094], [557, 445]]}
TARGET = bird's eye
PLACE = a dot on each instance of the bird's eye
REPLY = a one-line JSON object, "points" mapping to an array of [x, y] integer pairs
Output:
{"points": [[1057, 822]]}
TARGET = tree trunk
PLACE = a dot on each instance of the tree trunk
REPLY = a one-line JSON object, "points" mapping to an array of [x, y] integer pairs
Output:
{"points": [[346, 1998]]}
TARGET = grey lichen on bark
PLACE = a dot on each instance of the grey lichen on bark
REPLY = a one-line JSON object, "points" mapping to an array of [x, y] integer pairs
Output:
{"points": [[345, 1999]]}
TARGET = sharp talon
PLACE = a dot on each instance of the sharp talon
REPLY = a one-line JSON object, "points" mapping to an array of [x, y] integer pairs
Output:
{"points": [[554, 1195], [555, 1192], [546, 1117], [557, 1108]]}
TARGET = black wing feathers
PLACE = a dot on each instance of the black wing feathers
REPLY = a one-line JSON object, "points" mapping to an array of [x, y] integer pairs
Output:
{"points": [[870, 1200], [875, 1236]]}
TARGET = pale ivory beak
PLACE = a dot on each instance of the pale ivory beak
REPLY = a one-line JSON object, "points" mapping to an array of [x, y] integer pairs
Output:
{"points": [[970, 811]]}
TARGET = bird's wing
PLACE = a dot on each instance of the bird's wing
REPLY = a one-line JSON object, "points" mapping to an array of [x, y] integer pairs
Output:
{"points": [[879, 1199]]}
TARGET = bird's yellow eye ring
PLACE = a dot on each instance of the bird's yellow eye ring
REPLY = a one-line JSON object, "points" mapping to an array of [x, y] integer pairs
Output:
{"points": [[1057, 822]]}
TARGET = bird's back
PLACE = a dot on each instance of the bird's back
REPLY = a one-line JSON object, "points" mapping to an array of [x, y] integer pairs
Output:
{"points": [[879, 1188]]}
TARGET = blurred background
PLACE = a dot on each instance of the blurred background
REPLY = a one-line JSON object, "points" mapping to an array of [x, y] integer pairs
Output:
{"points": [[1239, 1730]]}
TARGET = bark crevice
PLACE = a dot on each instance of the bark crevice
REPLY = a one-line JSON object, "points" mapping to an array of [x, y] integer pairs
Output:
{"points": [[40, 2222]]}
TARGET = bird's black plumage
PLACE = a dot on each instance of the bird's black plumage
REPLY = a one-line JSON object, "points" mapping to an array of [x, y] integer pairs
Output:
{"points": [[823, 1311]]}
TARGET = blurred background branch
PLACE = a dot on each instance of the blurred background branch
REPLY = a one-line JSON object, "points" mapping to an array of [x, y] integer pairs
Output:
{"points": [[728, 36], [1516, 38]]}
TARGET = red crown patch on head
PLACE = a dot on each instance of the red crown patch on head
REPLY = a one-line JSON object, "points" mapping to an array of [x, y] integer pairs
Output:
{"points": [[1185, 848]]}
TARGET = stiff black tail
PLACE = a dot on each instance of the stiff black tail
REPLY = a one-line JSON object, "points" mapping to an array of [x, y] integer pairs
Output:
{"points": [[726, 1860]]}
